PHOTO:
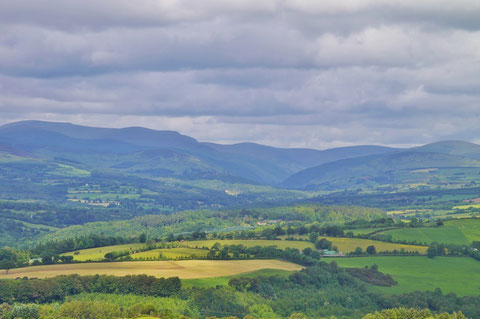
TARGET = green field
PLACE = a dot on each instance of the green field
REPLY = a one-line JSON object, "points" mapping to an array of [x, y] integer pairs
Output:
{"points": [[96, 254], [460, 232], [346, 245], [363, 231], [171, 253], [460, 275], [223, 281], [281, 244], [184, 269]]}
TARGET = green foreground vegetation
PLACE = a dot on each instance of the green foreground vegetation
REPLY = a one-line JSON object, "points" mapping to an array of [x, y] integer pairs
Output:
{"points": [[458, 275]]}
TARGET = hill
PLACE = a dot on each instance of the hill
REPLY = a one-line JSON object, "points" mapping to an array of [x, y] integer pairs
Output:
{"points": [[154, 153], [433, 165]]}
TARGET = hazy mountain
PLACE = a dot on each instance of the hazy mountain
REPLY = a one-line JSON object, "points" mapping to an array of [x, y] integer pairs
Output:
{"points": [[433, 164], [166, 153]]}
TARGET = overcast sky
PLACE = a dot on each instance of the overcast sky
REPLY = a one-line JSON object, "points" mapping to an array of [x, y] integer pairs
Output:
{"points": [[290, 73]]}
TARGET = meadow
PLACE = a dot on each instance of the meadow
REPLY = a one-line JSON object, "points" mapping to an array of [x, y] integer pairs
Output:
{"points": [[171, 253], [184, 269], [97, 254], [223, 280], [459, 232], [347, 245], [280, 244], [460, 275]]}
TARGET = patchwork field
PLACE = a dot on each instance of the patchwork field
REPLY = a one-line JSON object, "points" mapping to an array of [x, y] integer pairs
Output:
{"points": [[460, 232], [347, 245], [172, 253], [281, 244], [460, 275], [96, 254], [185, 269]]}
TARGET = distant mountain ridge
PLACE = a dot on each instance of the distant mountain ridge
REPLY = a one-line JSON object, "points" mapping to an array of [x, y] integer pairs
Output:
{"points": [[145, 151], [438, 163]]}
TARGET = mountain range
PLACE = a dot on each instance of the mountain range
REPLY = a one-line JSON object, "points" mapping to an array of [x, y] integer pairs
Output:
{"points": [[154, 153]]}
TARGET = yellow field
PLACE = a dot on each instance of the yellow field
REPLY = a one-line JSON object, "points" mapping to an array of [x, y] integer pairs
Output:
{"points": [[96, 254], [281, 244], [346, 245], [185, 269], [467, 206], [172, 253]]}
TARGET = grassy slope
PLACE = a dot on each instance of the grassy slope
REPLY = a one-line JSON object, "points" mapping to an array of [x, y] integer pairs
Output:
{"points": [[185, 269], [172, 253], [281, 244], [95, 254], [223, 281], [450, 274], [461, 232], [346, 245]]}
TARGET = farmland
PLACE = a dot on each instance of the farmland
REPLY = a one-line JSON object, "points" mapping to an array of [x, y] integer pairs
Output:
{"points": [[347, 245], [171, 253], [280, 244], [185, 269], [460, 232], [97, 254], [421, 273]]}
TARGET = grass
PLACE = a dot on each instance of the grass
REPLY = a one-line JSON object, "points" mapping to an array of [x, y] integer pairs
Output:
{"points": [[96, 254], [172, 253], [223, 281], [281, 244], [347, 245], [184, 269], [460, 232], [460, 275], [363, 231]]}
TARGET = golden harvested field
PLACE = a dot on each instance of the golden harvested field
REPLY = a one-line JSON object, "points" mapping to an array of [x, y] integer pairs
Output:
{"points": [[96, 254], [346, 245], [171, 253], [281, 244], [185, 269]]}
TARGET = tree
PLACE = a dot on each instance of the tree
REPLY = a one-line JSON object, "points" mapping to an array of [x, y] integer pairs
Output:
{"points": [[358, 251], [371, 250], [143, 238], [8, 259]]}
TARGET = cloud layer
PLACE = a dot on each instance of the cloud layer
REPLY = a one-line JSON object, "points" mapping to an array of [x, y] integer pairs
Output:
{"points": [[281, 72]]}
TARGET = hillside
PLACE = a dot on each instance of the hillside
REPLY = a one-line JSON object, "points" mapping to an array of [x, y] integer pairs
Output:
{"points": [[154, 153], [439, 164]]}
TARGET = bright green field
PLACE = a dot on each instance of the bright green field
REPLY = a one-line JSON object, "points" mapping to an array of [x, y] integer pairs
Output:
{"points": [[95, 254], [281, 244], [460, 275], [223, 281], [460, 232], [172, 253]]}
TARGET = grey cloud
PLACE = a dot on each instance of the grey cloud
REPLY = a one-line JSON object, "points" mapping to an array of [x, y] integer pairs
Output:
{"points": [[282, 72]]}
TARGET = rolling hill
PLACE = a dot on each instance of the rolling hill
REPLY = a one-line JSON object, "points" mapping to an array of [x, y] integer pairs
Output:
{"points": [[153, 153], [450, 163]]}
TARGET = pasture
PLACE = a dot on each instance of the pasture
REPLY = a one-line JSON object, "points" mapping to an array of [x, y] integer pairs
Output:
{"points": [[347, 245], [223, 281], [459, 232], [184, 269], [281, 244], [97, 254], [460, 275], [171, 253]]}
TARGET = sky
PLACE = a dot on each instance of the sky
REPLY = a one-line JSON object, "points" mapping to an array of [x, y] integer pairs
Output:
{"points": [[287, 73]]}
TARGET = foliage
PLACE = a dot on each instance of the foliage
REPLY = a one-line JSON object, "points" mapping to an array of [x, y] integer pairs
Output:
{"points": [[402, 313]]}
